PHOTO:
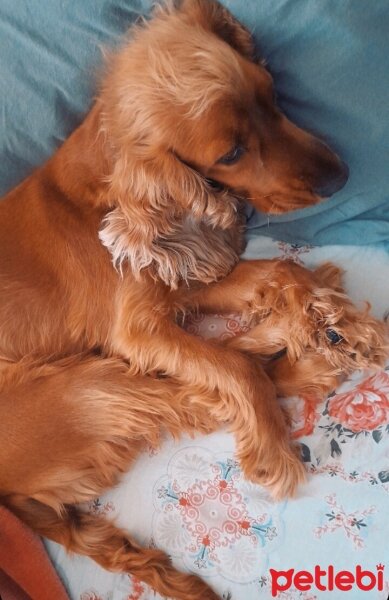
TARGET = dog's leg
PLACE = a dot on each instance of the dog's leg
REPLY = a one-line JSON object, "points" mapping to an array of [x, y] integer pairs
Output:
{"points": [[307, 314], [250, 284], [77, 425], [275, 298], [231, 386], [310, 375], [283, 302]]}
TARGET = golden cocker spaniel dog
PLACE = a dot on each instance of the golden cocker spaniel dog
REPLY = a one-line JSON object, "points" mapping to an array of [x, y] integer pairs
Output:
{"points": [[136, 219]]}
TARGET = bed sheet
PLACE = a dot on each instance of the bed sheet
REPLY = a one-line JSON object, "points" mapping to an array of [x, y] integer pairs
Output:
{"points": [[191, 500]]}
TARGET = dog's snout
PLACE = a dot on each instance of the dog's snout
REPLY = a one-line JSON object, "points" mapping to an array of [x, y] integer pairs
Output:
{"points": [[333, 178], [316, 165]]}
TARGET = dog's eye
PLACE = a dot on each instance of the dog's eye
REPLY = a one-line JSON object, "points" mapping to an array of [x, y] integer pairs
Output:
{"points": [[333, 336], [232, 157]]}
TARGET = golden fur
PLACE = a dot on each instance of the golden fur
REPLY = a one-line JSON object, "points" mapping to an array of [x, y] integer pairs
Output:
{"points": [[81, 339]]}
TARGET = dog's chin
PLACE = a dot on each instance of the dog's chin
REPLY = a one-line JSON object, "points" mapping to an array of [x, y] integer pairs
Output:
{"points": [[279, 204]]}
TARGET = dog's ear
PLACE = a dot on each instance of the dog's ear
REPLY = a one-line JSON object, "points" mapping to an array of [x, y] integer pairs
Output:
{"points": [[213, 16], [331, 276], [151, 196], [158, 187]]}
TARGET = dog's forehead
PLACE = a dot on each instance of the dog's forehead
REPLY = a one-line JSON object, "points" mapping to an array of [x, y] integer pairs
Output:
{"points": [[184, 57]]}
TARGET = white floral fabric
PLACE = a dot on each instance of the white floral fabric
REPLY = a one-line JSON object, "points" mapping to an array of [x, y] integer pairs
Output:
{"points": [[191, 500]]}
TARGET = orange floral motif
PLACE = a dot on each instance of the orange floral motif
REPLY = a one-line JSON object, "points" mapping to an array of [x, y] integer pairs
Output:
{"points": [[364, 408], [304, 416]]}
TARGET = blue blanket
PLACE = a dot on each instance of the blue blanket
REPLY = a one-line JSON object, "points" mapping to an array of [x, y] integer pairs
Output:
{"points": [[330, 60]]}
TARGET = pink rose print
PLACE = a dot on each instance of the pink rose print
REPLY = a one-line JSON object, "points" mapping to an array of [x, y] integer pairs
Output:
{"points": [[364, 408]]}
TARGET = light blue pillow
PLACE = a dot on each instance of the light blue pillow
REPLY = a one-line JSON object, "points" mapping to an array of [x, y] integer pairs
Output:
{"points": [[330, 59]]}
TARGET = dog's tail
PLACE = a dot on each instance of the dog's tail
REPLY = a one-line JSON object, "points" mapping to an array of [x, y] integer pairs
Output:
{"points": [[111, 547]]}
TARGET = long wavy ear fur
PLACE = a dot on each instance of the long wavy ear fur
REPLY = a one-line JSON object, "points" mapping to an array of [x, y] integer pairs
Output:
{"points": [[160, 206], [156, 190]]}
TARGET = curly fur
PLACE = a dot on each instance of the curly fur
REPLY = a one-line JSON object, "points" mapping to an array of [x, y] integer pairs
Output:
{"points": [[83, 345], [191, 251]]}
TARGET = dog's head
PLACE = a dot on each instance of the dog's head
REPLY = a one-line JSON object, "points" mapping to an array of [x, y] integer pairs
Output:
{"points": [[191, 125], [188, 108]]}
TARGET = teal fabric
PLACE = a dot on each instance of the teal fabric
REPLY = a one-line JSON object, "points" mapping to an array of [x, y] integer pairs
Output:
{"points": [[330, 59], [50, 53]]}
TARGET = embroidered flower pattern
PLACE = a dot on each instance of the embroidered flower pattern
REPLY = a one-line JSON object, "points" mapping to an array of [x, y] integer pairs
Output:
{"points": [[293, 251], [97, 507], [208, 514], [130, 589], [351, 524], [214, 326], [92, 595]]}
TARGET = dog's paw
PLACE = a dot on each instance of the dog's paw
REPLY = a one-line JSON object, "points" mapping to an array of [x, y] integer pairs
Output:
{"points": [[310, 375], [282, 474]]}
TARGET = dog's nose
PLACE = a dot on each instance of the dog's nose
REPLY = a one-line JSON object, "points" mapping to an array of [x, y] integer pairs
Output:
{"points": [[334, 178]]}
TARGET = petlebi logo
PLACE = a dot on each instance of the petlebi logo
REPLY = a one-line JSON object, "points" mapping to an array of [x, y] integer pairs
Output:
{"points": [[327, 580]]}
